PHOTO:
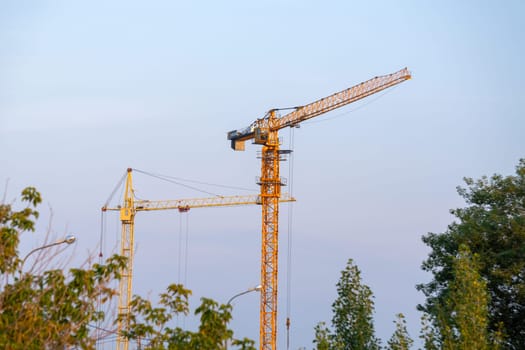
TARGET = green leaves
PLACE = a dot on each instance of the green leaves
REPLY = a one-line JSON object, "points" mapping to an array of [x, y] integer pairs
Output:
{"points": [[152, 323], [352, 320], [32, 196], [55, 309], [322, 337], [400, 340], [13, 224], [492, 226], [51, 310]]}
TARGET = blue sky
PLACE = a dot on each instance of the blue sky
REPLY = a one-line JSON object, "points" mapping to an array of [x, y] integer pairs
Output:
{"points": [[88, 89]]}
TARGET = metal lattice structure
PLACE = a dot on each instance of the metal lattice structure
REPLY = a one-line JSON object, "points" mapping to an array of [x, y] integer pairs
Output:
{"points": [[264, 131], [129, 209]]}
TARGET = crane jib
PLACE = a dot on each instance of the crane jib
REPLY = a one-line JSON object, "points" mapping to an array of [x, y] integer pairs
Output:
{"points": [[318, 107], [264, 132]]}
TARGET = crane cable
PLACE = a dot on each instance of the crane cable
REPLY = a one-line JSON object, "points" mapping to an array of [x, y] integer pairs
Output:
{"points": [[119, 185], [182, 269], [100, 255], [352, 110], [182, 277], [289, 253], [186, 249], [179, 257], [177, 181], [102, 244]]}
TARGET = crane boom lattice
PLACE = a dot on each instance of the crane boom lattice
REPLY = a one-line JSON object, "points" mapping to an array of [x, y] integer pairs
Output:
{"points": [[264, 131], [128, 210]]}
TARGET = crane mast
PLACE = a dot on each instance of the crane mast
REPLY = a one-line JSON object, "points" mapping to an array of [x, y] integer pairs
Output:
{"points": [[127, 216], [264, 131]]}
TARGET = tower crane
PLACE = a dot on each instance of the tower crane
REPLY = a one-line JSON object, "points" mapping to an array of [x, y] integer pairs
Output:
{"points": [[264, 131], [128, 211]]}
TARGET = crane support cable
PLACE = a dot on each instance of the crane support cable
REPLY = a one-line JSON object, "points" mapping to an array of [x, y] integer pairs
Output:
{"points": [[160, 177], [290, 236], [185, 281], [264, 132], [119, 185], [177, 181]]}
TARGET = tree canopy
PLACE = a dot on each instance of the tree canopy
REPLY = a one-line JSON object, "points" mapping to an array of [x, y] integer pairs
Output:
{"points": [[53, 309], [151, 324], [57, 309], [400, 340], [492, 226], [352, 321]]}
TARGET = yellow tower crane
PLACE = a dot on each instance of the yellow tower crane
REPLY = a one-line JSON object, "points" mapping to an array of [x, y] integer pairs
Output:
{"points": [[264, 131], [128, 210]]}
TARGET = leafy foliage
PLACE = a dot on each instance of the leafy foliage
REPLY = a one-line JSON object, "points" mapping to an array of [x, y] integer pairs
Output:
{"points": [[353, 312], [467, 305], [151, 325], [400, 340], [493, 227], [54, 309], [12, 224], [429, 334], [352, 321], [322, 337], [462, 320]]}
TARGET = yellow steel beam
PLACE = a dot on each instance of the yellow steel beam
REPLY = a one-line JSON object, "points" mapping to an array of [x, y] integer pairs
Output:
{"points": [[128, 211], [264, 131]]}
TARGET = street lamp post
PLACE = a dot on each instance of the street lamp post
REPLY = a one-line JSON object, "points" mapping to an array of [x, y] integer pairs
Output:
{"points": [[253, 289], [249, 290], [70, 239]]}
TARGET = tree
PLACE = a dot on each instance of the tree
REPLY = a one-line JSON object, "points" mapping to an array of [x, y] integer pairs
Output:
{"points": [[152, 324], [353, 312], [322, 337], [400, 340], [493, 227], [467, 304], [352, 321], [50, 310], [57, 309], [428, 334], [462, 319]]}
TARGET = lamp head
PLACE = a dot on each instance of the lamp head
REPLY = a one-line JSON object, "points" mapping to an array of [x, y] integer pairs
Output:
{"points": [[70, 239]]}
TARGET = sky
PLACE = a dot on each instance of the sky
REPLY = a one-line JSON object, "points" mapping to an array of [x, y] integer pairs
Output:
{"points": [[90, 88]]}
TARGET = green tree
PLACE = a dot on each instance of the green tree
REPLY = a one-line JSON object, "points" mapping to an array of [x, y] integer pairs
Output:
{"points": [[492, 225], [467, 304], [152, 324], [428, 334], [353, 312], [50, 310], [13, 224], [462, 319], [57, 309], [352, 321], [322, 337], [400, 340]]}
